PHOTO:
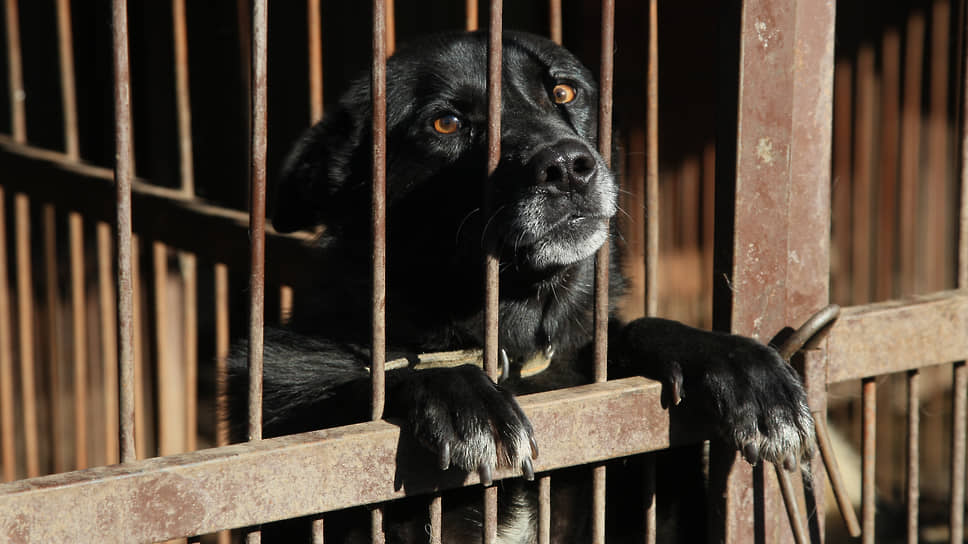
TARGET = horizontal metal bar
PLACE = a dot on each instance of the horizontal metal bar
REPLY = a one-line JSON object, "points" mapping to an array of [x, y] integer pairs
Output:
{"points": [[895, 336], [257, 482], [166, 215]]}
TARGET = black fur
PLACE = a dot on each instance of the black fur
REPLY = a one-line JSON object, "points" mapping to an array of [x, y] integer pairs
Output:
{"points": [[554, 199]]}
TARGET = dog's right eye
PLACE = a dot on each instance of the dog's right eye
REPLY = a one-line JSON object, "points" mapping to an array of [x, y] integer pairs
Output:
{"points": [[448, 124]]}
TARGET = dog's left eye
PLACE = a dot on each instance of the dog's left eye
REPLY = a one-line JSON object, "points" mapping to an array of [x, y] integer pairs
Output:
{"points": [[563, 94], [448, 124]]}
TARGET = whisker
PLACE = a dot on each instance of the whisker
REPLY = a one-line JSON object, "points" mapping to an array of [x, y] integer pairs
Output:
{"points": [[461, 225]]}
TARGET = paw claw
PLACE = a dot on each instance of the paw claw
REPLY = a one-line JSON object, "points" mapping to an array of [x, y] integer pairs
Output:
{"points": [[445, 456], [484, 471], [790, 463], [751, 453], [534, 447], [528, 469]]}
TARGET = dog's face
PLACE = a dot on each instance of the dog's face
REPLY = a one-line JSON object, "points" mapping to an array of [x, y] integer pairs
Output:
{"points": [[553, 193]]}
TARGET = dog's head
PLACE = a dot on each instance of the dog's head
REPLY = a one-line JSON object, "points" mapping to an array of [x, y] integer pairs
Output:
{"points": [[553, 193]]}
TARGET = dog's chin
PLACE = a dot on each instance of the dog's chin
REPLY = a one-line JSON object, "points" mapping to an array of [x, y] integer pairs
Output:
{"points": [[565, 244]]}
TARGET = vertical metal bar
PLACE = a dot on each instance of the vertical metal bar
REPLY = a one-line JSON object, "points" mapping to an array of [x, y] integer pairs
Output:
{"points": [[959, 400], [68, 96], [257, 218], [933, 272], [910, 150], [25, 318], [774, 177], [862, 174], [887, 202], [840, 199], [54, 337], [868, 451], [391, 28], [221, 365], [913, 457], [491, 287], [168, 383], [315, 61], [554, 21], [141, 431], [602, 257], [318, 533], [123, 172], [435, 520], [182, 97], [652, 166], [470, 15], [378, 218], [15, 82], [8, 453], [109, 343], [544, 510], [79, 338]]}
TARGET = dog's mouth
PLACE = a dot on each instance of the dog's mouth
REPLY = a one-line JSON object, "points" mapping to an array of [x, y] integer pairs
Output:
{"points": [[570, 240]]}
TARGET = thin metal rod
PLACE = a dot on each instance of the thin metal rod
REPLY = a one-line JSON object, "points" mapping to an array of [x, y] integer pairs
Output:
{"points": [[109, 342], [491, 287], [182, 97], [470, 15], [913, 454], [544, 510], [792, 506], [318, 531], [79, 338], [836, 477], [221, 365], [863, 175], [934, 242], [15, 79], [868, 451], [959, 428], [884, 286], [649, 492], [65, 48], [8, 453], [25, 318], [391, 25], [652, 167], [123, 173], [378, 210], [189, 273], [168, 385], [436, 513], [315, 60], [54, 337], [140, 398], [959, 400], [554, 21], [910, 150]]}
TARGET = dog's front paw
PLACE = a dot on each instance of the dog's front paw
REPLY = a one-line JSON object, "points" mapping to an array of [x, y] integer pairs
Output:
{"points": [[468, 421], [753, 398]]}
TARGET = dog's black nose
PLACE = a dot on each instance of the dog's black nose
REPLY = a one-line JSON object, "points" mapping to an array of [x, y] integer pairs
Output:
{"points": [[568, 165]]}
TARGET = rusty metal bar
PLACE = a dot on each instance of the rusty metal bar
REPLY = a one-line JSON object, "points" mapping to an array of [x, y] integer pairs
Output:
{"points": [[25, 319], [959, 428], [315, 60], [869, 452], [182, 97], [895, 336], [141, 431], [913, 454], [391, 27], [862, 201], [189, 273], [166, 215], [959, 400], [203, 491], [79, 338], [65, 48], [109, 343], [837, 482], [933, 271], [470, 15], [15, 78], [318, 531], [554, 21], [221, 274], [652, 167], [124, 172], [54, 337], [910, 151], [491, 262], [884, 283], [169, 387], [544, 509], [840, 198], [8, 453]]}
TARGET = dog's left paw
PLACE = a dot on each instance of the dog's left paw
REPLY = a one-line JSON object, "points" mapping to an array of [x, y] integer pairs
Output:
{"points": [[753, 398]]}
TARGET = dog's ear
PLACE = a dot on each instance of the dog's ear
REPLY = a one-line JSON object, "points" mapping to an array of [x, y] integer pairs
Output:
{"points": [[315, 170]]}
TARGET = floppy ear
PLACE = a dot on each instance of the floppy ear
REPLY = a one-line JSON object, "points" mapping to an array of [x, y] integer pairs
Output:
{"points": [[316, 168]]}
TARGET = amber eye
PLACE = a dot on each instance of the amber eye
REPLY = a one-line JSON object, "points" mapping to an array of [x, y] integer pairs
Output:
{"points": [[447, 124], [563, 94]]}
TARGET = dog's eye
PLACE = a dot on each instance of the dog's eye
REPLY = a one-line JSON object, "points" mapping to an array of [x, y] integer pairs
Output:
{"points": [[447, 124], [563, 94]]}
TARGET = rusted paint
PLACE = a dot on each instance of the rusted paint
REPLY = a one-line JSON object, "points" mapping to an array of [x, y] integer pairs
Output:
{"points": [[367, 463], [895, 336], [378, 210]]}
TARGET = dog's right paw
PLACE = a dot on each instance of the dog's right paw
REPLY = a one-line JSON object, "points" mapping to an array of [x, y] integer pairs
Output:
{"points": [[467, 420]]}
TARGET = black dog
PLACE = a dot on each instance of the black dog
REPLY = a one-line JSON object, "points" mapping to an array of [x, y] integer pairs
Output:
{"points": [[555, 198]]}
